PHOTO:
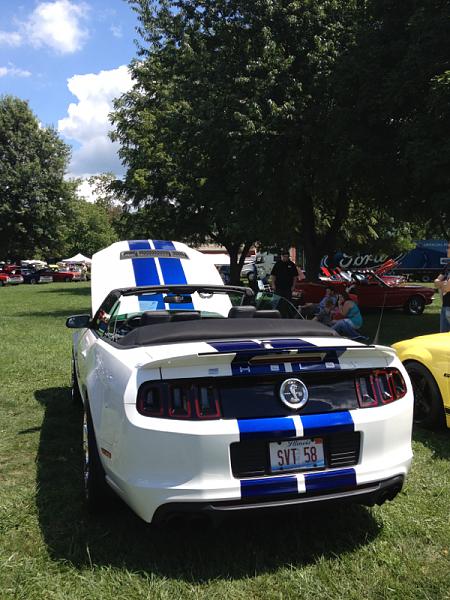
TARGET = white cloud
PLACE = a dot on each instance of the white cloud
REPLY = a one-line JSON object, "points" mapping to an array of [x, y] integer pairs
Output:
{"points": [[10, 38], [116, 30], [57, 25], [13, 72], [88, 124]]}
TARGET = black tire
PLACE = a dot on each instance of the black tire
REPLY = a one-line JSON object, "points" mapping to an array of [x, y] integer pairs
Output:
{"points": [[426, 278], [75, 390], [97, 492], [33, 281], [415, 305], [67, 279], [428, 405]]}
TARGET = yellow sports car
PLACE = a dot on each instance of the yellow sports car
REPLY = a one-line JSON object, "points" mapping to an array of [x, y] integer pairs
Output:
{"points": [[427, 360]]}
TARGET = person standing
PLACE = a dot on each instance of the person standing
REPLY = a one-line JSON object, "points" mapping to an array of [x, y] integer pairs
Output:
{"points": [[284, 276], [442, 282]]}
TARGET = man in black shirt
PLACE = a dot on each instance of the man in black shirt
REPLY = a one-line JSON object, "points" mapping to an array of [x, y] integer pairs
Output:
{"points": [[284, 276]]}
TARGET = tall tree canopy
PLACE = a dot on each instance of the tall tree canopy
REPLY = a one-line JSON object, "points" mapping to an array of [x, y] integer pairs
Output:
{"points": [[287, 120], [230, 112], [34, 194]]}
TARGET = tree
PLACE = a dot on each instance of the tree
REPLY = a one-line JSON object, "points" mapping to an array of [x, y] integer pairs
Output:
{"points": [[89, 228], [267, 120], [216, 121], [34, 193]]}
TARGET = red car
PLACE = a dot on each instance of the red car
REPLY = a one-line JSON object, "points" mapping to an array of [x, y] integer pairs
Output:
{"points": [[373, 292], [10, 278], [64, 275]]}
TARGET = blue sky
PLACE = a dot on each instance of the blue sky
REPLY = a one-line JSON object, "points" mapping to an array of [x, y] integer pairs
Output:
{"points": [[68, 58]]}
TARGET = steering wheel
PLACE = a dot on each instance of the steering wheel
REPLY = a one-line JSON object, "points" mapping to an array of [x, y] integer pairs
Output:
{"points": [[132, 322]]}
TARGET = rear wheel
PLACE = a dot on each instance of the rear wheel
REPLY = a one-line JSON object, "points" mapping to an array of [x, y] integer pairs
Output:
{"points": [[67, 279], [415, 305], [96, 491], [428, 406]]}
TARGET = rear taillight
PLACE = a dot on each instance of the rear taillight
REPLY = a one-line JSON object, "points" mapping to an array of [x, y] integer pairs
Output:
{"points": [[178, 401], [379, 387], [149, 401]]}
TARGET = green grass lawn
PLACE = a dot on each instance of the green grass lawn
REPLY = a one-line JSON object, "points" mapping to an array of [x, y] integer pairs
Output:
{"points": [[51, 549]]}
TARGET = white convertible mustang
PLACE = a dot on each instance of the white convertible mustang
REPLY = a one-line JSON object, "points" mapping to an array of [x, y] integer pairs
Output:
{"points": [[195, 400]]}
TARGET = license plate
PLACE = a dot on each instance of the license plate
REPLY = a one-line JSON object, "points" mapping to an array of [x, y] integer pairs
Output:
{"points": [[293, 455]]}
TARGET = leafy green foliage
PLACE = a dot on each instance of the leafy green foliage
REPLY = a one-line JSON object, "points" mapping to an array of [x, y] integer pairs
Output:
{"points": [[34, 194], [89, 228]]}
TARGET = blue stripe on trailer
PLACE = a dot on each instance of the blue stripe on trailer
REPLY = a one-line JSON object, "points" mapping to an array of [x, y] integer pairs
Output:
{"points": [[172, 271], [275, 428], [145, 273], [330, 480], [268, 487], [322, 424]]}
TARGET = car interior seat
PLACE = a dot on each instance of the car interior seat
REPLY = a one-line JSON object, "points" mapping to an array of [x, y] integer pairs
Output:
{"points": [[151, 317], [190, 315], [241, 312], [268, 314]]}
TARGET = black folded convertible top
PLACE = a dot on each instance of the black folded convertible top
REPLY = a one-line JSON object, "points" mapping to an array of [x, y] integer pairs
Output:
{"points": [[220, 329]]}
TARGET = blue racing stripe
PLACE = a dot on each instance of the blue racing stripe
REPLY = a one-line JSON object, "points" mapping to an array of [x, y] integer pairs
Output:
{"points": [[322, 424], [330, 480], [275, 428], [172, 271], [242, 369], [145, 273], [290, 343], [235, 346], [268, 487]]}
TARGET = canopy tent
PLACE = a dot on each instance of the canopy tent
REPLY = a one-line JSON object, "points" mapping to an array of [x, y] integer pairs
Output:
{"points": [[78, 258]]}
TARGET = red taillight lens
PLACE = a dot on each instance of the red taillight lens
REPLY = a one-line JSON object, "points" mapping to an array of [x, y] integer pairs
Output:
{"points": [[379, 387], [207, 403], [179, 401]]}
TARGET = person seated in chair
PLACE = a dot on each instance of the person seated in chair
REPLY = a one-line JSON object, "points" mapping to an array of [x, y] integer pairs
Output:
{"points": [[348, 320], [311, 309]]}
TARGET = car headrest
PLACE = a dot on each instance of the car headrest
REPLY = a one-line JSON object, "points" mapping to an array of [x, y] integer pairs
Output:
{"points": [[151, 317], [240, 312], [268, 314], [188, 315]]}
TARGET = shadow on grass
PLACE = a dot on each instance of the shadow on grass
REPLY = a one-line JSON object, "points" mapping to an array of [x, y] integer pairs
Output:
{"points": [[437, 441], [239, 547], [70, 288], [58, 314], [396, 326]]}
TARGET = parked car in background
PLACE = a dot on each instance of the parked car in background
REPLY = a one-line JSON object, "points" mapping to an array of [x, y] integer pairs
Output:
{"points": [[64, 275], [10, 278], [196, 401], [427, 360], [34, 276], [4, 278], [372, 292]]}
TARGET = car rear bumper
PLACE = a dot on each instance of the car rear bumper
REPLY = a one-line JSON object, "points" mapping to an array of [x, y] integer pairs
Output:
{"points": [[368, 495], [156, 470]]}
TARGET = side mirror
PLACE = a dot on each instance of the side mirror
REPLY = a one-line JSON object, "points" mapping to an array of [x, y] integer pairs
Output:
{"points": [[78, 321]]}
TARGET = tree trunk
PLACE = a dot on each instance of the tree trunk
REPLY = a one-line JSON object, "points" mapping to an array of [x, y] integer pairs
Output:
{"points": [[236, 260]]}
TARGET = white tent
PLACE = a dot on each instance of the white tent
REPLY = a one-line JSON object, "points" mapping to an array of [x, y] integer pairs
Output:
{"points": [[78, 258]]}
